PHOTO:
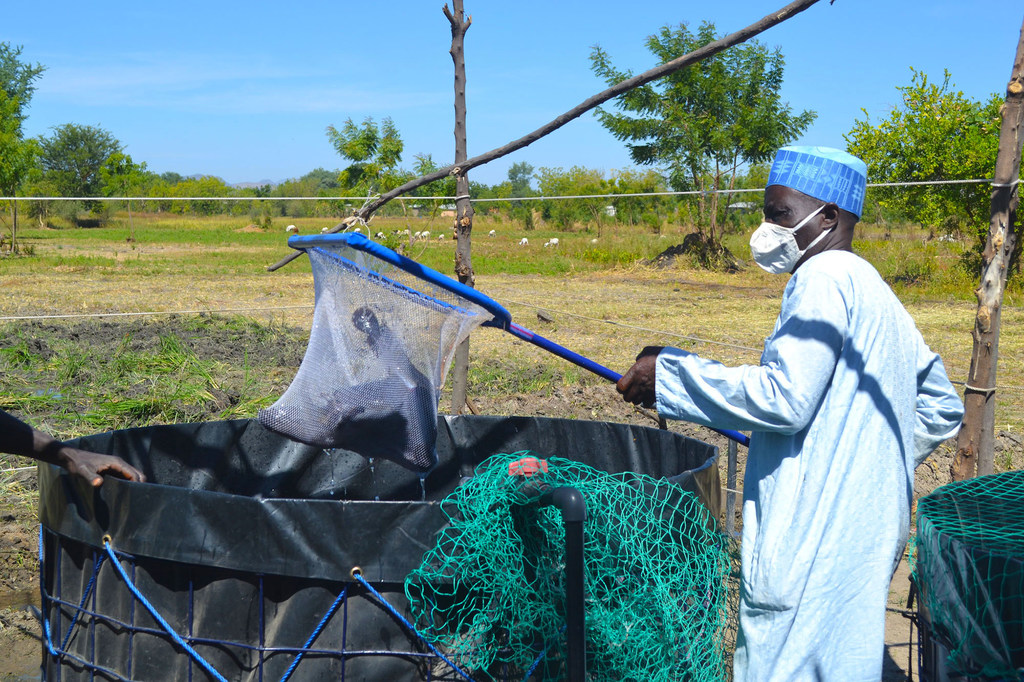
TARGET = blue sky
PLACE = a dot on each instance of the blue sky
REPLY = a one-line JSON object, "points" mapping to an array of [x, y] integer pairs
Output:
{"points": [[245, 91]]}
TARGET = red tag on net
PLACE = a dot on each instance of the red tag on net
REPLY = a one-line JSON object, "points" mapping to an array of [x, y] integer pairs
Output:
{"points": [[527, 466]]}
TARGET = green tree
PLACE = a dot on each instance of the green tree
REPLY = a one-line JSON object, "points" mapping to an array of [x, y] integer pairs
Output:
{"points": [[172, 178], [123, 177], [72, 158], [520, 179], [701, 125], [577, 181], [17, 155], [200, 186], [374, 150], [935, 133], [650, 211]]}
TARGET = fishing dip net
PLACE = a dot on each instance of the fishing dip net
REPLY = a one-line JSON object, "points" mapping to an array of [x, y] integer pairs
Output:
{"points": [[970, 570], [491, 592], [379, 349]]}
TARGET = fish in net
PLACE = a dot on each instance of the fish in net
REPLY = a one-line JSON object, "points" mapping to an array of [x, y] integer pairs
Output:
{"points": [[379, 349], [491, 591]]}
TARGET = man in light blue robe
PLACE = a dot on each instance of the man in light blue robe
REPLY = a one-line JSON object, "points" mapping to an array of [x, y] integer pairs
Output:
{"points": [[846, 402]]}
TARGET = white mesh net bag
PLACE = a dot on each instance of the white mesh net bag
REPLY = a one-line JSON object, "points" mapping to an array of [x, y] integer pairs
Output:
{"points": [[379, 349]]}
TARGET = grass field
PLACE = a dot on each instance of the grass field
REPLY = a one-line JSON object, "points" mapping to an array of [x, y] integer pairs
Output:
{"points": [[604, 302], [595, 288]]}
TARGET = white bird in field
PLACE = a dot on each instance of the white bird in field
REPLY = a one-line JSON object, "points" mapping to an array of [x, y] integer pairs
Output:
{"points": [[380, 235], [554, 241], [593, 241], [291, 228], [325, 230], [492, 233], [358, 229]]}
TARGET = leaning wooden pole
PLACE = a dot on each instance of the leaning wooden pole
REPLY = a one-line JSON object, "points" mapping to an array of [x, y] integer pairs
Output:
{"points": [[976, 440], [463, 208], [700, 54]]}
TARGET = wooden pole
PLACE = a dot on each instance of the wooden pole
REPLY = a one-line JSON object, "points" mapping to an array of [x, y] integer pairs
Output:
{"points": [[711, 49], [976, 440], [463, 208]]}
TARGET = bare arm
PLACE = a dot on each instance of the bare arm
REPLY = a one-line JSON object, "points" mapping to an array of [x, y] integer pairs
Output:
{"points": [[18, 438]]}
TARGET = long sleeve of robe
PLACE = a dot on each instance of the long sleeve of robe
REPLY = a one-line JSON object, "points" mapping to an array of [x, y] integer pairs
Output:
{"points": [[847, 400]]}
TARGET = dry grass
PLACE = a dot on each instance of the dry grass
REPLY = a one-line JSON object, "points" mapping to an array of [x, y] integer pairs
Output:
{"points": [[607, 314]]}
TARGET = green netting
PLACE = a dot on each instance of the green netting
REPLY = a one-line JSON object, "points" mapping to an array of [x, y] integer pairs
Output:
{"points": [[491, 592], [970, 569]]}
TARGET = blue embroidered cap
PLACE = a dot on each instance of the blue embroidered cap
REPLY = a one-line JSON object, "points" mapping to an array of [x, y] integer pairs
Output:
{"points": [[823, 173]]}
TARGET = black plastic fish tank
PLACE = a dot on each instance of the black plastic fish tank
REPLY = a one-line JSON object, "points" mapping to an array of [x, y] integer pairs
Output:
{"points": [[248, 556]]}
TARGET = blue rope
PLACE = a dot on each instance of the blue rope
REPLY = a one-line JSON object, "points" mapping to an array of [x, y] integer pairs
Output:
{"points": [[394, 612], [81, 605], [44, 599], [160, 619], [316, 633], [540, 658]]}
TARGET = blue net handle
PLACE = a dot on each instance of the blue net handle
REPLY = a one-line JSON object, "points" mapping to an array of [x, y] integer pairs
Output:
{"points": [[502, 318], [357, 240]]}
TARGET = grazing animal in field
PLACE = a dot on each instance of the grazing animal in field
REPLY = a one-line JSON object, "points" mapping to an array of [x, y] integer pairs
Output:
{"points": [[524, 241], [551, 242], [593, 241], [425, 234], [440, 237], [325, 230], [380, 235], [492, 233], [291, 229]]}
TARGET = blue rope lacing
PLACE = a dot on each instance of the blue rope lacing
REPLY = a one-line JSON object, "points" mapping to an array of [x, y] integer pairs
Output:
{"points": [[156, 615], [195, 655], [316, 633], [394, 612]]}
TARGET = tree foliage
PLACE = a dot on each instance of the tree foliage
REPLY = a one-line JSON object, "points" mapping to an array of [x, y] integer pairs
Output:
{"points": [[17, 155], [73, 156], [577, 181], [374, 150], [17, 80], [701, 125], [935, 133], [121, 176]]}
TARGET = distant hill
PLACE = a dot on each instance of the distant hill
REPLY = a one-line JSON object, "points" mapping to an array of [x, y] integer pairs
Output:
{"points": [[254, 185]]}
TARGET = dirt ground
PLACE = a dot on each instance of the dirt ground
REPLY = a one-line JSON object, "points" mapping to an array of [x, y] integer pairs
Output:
{"points": [[19, 630]]}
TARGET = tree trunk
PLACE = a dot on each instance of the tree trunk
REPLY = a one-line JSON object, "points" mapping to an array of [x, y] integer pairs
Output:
{"points": [[463, 208], [14, 227], [974, 443], [131, 223]]}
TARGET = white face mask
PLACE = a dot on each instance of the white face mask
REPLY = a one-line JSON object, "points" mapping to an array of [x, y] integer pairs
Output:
{"points": [[774, 247]]}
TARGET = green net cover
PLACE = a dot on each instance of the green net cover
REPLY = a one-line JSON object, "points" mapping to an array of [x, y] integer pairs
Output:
{"points": [[970, 570], [491, 592]]}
